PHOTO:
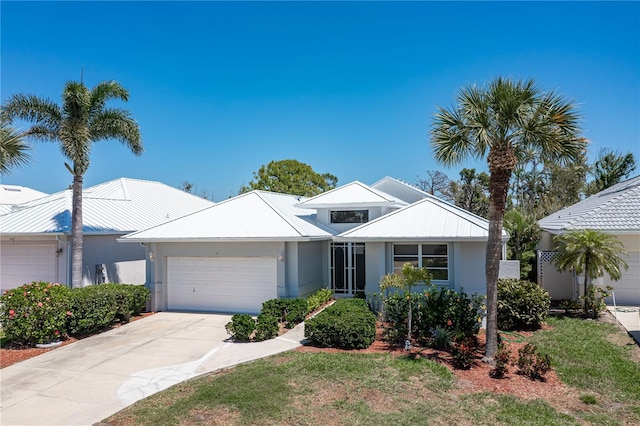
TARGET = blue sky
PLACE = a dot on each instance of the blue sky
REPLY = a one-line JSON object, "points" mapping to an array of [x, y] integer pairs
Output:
{"points": [[220, 88]]}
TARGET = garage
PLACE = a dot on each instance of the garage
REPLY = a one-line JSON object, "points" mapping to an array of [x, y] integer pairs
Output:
{"points": [[21, 264], [237, 284], [627, 289]]}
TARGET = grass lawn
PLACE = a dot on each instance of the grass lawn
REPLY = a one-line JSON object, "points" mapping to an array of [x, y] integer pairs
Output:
{"points": [[349, 388]]}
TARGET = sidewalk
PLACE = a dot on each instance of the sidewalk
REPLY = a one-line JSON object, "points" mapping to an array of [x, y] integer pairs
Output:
{"points": [[629, 317]]}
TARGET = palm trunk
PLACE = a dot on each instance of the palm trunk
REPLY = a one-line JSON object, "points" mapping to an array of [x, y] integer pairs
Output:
{"points": [[501, 163], [76, 233]]}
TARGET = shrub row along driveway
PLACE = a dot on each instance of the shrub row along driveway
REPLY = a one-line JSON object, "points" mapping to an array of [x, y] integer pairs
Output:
{"points": [[89, 380]]}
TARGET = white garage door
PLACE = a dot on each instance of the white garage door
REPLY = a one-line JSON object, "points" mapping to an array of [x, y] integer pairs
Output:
{"points": [[221, 284], [627, 289], [25, 264]]}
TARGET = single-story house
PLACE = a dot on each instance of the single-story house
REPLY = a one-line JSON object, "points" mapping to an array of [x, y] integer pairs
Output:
{"points": [[234, 255], [35, 236], [616, 211]]}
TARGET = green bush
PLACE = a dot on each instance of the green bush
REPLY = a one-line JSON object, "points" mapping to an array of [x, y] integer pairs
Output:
{"points": [[35, 313], [94, 308], [533, 364], [241, 327], [521, 305], [464, 352], [266, 327], [318, 299], [347, 324], [288, 311], [435, 307], [139, 297]]}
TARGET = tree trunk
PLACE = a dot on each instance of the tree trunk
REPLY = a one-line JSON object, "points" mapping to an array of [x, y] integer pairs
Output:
{"points": [[501, 163], [76, 233]]}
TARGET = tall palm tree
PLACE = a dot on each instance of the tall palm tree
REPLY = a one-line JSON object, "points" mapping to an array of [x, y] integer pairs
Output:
{"points": [[590, 252], [14, 151], [81, 119], [500, 122]]}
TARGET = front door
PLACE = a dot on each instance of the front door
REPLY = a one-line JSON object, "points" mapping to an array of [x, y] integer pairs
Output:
{"points": [[347, 268]]}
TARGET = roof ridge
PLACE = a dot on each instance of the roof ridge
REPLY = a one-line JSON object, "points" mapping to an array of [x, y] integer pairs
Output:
{"points": [[279, 212]]}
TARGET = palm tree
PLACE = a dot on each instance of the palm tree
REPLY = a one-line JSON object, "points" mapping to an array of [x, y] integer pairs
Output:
{"points": [[83, 118], [590, 252], [13, 149], [501, 122]]}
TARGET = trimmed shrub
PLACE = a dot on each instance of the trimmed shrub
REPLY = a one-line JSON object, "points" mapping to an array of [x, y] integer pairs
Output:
{"points": [[35, 313], [347, 324], [288, 311], [94, 308], [318, 299], [266, 327], [139, 297], [522, 305], [241, 327]]}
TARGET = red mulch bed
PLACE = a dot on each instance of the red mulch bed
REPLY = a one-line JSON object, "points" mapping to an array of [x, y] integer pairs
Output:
{"points": [[10, 354], [477, 379]]}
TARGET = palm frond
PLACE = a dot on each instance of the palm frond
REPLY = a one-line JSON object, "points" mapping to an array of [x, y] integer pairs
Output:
{"points": [[34, 109], [115, 123], [105, 91], [13, 149]]}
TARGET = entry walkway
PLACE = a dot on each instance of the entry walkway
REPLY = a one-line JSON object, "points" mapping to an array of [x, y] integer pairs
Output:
{"points": [[629, 317], [89, 380]]}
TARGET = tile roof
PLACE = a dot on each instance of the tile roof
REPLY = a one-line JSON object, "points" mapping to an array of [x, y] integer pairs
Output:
{"points": [[615, 209], [253, 216], [115, 207], [427, 219], [352, 195]]}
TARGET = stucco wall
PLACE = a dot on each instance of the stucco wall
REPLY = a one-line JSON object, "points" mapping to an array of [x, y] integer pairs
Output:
{"points": [[124, 261], [310, 276], [470, 265]]}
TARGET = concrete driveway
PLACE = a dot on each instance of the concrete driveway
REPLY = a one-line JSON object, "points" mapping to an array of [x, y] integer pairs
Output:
{"points": [[87, 381]]}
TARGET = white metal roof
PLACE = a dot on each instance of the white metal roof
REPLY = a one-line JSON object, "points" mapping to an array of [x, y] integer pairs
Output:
{"points": [[253, 216], [400, 189], [11, 195], [615, 209], [428, 219], [115, 207], [352, 195]]}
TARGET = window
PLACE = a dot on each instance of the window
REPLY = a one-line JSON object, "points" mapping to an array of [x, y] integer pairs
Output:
{"points": [[434, 257], [349, 216]]}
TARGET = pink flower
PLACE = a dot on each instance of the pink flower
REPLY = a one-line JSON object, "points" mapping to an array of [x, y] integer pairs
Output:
{"points": [[47, 299], [57, 333], [10, 316], [11, 312], [24, 294], [40, 304], [69, 313], [449, 322], [4, 292]]}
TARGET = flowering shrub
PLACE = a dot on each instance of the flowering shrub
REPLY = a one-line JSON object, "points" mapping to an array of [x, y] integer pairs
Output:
{"points": [[35, 313], [502, 359], [533, 364], [464, 352], [458, 312]]}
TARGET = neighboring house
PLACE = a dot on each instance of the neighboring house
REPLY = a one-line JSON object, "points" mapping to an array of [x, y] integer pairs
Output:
{"points": [[234, 255], [12, 195], [35, 236], [616, 211]]}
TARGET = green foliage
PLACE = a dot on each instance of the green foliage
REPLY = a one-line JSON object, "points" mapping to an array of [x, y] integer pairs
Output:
{"points": [[441, 337], [589, 399], [266, 327], [94, 308], [318, 299], [464, 352], [593, 301], [14, 151], [523, 241], [290, 177], [610, 168], [347, 324], [471, 192], [502, 360], [591, 252], [35, 313], [241, 327], [533, 364], [458, 312], [522, 305], [288, 311]]}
